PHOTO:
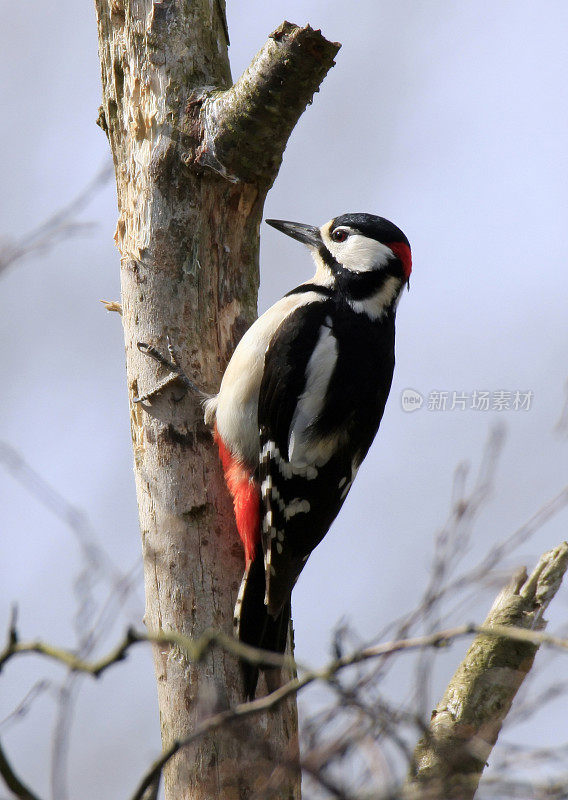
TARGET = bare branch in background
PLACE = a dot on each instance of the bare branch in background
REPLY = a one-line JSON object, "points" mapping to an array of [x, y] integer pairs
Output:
{"points": [[360, 721], [450, 545], [504, 648], [362, 694], [450, 759], [60, 226], [25, 704], [197, 649], [94, 618]]}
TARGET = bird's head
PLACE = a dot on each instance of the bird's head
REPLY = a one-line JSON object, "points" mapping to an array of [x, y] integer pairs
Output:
{"points": [[361, 253]]}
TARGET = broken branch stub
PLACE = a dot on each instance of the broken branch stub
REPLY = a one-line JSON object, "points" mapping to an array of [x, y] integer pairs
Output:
{"points": [[449, 760], [243, 131]]}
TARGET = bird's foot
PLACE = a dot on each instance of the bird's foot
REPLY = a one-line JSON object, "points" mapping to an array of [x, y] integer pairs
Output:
{"points": [[177, 375]]}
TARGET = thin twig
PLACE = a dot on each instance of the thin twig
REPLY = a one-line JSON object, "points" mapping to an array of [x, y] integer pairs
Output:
{"points": [[59, 226], [23, 707], [196, 649]]}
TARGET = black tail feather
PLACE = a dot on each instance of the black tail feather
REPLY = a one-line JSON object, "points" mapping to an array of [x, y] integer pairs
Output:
{"points": [[255, 626]]}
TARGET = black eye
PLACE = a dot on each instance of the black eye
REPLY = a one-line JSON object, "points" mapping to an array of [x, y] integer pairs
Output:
{"points": [[339, 235]]}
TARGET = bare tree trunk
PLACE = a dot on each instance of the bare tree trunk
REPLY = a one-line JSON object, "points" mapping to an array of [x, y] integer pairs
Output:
{"points": [[194, 158], [449, 760]]}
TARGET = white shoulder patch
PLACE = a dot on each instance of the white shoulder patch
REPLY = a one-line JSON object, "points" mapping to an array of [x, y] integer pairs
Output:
{"points": [[301, 451]]}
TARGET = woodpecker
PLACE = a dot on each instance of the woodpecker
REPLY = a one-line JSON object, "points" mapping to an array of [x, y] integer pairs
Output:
{"points": [[299, 406]]}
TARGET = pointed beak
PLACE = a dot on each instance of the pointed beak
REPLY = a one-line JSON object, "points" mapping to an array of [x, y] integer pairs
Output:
{"points": [[306, 234]]}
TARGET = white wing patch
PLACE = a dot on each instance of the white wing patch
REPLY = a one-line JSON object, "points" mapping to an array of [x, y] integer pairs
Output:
{"points": [[302, 451]]}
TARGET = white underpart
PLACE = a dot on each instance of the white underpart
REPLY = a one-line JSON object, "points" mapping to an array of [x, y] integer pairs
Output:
{"points": [[376, 305], [302, 449], [235, 407]]}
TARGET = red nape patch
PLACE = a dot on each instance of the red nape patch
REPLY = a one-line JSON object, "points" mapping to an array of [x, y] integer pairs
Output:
{"points": [[246, 497], [402, 251]]}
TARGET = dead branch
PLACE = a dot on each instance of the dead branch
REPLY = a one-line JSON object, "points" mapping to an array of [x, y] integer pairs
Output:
{"points": [[268, 99], [196, 650], [450, 759]]}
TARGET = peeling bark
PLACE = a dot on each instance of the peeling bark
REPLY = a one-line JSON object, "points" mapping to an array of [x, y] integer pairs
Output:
{"points": [[194, 158]]}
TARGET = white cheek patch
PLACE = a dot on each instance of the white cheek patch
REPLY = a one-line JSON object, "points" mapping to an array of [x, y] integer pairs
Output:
{"points": [[358, 253]]}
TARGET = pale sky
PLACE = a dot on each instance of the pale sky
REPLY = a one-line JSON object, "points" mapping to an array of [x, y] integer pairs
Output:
{"points": [[448, 118]]}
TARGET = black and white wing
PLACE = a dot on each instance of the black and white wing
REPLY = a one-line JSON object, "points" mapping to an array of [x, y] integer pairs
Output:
{"points": [[305, 471]]}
